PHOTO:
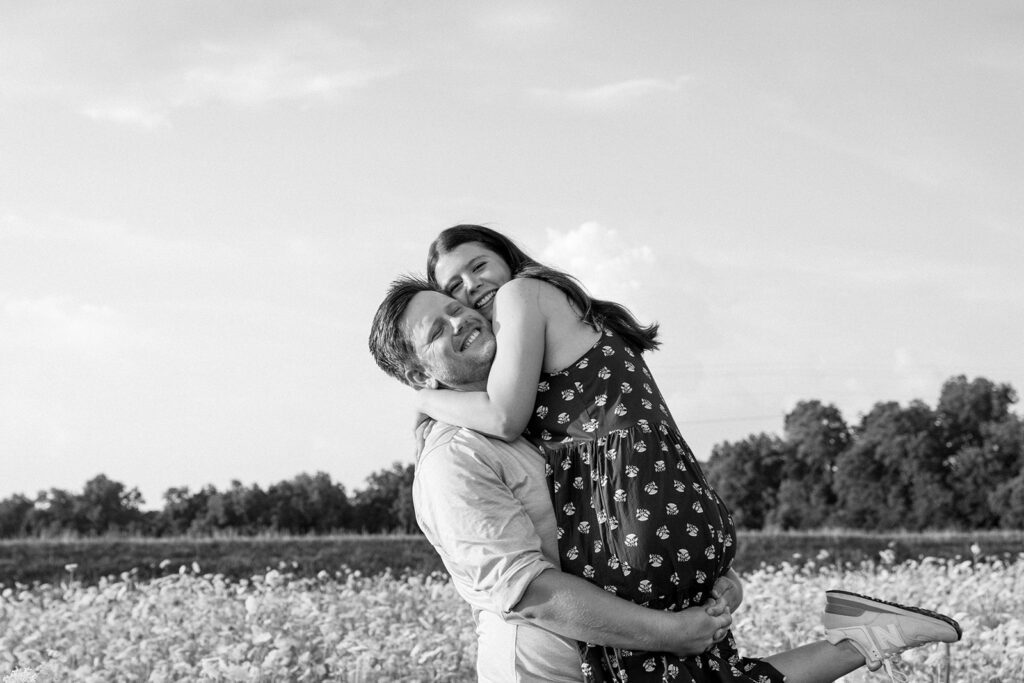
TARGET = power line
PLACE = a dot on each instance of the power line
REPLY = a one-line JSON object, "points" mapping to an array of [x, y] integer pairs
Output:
{"points": [[776, 416]]}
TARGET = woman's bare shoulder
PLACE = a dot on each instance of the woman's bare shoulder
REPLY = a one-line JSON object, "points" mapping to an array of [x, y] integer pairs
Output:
{"points": [[533, 290]]}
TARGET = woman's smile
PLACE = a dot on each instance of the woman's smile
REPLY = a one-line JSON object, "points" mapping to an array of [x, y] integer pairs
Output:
{"points": [[472, 273], [485, 300]]}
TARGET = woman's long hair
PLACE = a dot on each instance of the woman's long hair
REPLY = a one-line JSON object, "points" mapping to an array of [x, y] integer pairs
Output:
{"points": [[595, 312]]}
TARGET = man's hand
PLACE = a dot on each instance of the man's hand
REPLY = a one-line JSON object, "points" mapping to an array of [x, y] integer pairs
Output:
{"points": [[726, 596], [701, 627], [729, 588], [575, 608]]}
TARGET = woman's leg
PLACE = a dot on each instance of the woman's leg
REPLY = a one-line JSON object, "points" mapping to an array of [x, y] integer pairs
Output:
{"points": [[819, 662], [863, 630]]}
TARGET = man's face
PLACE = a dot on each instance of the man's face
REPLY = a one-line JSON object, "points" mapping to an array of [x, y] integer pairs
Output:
{"points": [[455, 344]]}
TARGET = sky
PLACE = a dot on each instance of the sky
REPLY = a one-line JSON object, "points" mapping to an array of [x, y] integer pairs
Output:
{"points": [[203, 203]]}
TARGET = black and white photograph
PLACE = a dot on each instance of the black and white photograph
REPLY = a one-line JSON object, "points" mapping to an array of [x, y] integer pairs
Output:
{"points": [[512, 342]]}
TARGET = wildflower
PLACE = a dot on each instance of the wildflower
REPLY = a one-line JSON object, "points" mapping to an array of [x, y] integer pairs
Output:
{"points": [[21, 675]]}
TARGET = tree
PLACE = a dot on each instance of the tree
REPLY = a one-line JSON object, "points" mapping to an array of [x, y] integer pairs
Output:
{"points": [[989, 455], [14, 516], [386, 503], [326, 504], [966, 406], [912, 470], [181, 508], [893, 475], [1008, 501], [746, 475], [205, 520], [106, 505], [53, 512], [815, 435], [229, 510], [1006, 441], [863, 489]]}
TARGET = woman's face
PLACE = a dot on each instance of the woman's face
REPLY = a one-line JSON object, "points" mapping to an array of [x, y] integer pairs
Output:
{"points": [[472, 274]]}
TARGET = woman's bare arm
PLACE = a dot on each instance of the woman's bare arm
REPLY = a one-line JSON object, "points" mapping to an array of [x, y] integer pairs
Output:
{"points": [[520, 325]]}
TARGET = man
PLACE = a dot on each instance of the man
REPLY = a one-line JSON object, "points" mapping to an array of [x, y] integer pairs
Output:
{"points": [[485, 507]]}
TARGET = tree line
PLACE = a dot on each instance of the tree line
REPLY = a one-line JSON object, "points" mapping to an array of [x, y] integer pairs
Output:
{"points": [[959, 465], [307, 504]]}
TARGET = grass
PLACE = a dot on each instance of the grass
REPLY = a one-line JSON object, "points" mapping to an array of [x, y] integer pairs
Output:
{"points": [[349, 626], [46, 560]]}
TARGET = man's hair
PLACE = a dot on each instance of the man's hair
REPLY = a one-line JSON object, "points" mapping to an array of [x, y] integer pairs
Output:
{"points": [[389, 346]]}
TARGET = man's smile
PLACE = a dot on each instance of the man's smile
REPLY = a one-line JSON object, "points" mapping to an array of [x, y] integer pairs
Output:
{"points": [[468, 340]]}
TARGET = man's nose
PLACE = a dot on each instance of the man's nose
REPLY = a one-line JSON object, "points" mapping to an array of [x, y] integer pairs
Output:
{"points": [[458, 321]]}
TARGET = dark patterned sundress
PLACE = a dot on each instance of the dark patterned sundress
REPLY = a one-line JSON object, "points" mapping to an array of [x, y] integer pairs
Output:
{"points": [[635, 514]]}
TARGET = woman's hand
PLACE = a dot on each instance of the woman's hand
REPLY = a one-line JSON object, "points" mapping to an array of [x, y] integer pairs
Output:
{"points": [[421, 426], [701, 627]]}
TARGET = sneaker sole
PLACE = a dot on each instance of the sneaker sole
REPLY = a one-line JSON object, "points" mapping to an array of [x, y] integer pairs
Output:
{"points": [[866, 602]]}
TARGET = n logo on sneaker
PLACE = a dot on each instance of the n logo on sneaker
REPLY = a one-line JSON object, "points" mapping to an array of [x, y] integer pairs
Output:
{"points": [[888, 636]]}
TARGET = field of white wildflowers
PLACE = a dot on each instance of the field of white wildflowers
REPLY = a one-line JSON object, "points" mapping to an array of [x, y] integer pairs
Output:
{"points": [[348, 627]]}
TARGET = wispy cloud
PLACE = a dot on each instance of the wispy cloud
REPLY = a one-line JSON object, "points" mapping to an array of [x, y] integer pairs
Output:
{"points": [[63, 323], [611, 95], [303, 63], [866, 268], [909, 153], [521, 19], [131, 114], [298, 62], [608, 265]]}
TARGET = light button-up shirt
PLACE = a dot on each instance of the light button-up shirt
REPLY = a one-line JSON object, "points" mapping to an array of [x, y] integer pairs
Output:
{"points": [[484, 505]]}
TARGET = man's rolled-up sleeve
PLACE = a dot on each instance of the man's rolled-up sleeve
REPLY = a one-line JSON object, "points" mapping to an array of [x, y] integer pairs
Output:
{"points": [[484, 536]]}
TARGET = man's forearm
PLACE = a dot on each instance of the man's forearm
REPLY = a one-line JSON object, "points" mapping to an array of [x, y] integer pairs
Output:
{"points": [[575, 608]]}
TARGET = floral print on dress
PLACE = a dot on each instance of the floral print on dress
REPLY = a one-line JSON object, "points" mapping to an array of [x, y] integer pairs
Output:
{"points": [[635, 514]]}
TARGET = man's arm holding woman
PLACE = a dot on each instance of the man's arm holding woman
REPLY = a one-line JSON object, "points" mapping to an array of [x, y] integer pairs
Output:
{"points": [[576, 608], [466, 506]]}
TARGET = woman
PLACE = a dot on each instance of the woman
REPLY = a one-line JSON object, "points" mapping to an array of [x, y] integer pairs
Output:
{"points": [[635, 513]]}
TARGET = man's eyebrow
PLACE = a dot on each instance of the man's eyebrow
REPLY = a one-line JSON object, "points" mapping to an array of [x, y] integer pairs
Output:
{"points": [[452, 308]]}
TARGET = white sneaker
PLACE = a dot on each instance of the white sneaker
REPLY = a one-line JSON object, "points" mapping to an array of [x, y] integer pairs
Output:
{"points": [[881, 630]]}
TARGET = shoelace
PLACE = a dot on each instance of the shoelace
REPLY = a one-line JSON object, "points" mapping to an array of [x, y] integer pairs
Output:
{"points": [[895, 675]]}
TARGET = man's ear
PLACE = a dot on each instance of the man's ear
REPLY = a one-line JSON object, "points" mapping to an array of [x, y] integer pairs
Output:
{"points": [[419, 379]]}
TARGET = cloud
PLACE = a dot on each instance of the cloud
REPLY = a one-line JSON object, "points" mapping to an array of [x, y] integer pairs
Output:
{"points": [[910, 154], [521, 19], [608, 265], [868, 268], [612, 95], [242, 76], [304, 64], [141, 80], [132, 114], [60, 323]]}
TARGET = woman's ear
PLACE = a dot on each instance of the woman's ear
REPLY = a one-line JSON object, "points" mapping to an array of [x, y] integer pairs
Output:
{"points": [[419, 379]]}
